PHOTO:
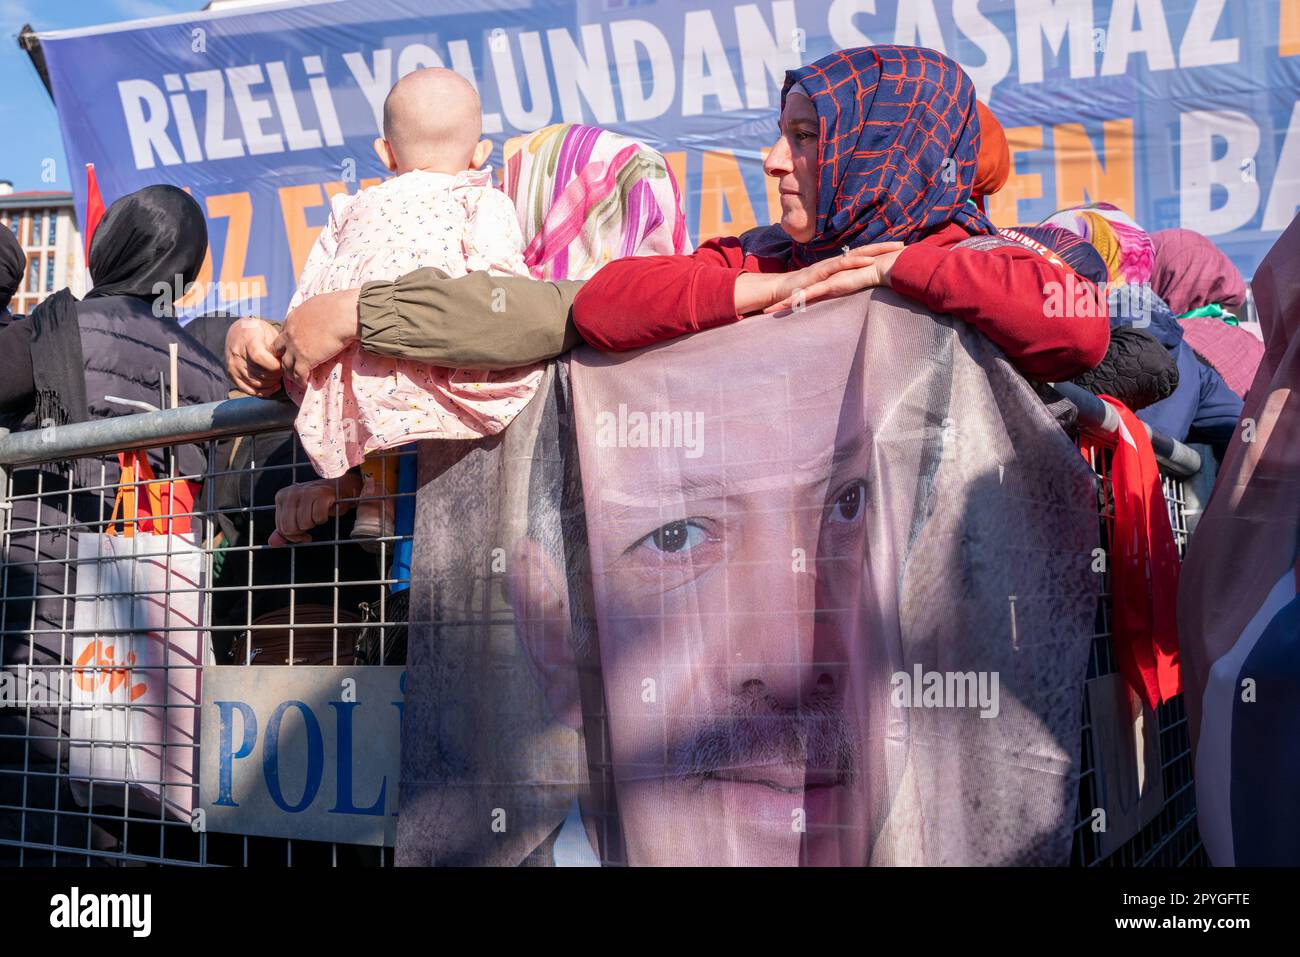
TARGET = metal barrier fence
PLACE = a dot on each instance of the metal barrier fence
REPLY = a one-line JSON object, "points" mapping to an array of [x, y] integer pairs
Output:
{"points": [[332, 601], [307, 603], [1170, 838]]}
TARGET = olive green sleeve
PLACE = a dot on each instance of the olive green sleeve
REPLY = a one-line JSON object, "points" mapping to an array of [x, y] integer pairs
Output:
{"points": [[478, 321]]}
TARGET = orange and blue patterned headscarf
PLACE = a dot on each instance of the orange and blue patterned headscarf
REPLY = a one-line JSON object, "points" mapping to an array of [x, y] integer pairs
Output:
{"points": [[899, 138]]}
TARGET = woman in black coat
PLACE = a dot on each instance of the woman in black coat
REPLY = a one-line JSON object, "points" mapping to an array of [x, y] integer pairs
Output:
{"points": [[57, 367], [13, 264]]}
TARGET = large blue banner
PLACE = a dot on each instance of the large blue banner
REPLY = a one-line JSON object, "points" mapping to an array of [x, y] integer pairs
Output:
{"points": [[1185, 112]]}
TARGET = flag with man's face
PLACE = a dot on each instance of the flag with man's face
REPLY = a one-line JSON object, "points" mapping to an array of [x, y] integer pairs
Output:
{"points": [[1239, 607], [808, 589]]}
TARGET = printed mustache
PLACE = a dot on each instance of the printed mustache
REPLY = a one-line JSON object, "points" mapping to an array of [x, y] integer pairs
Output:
{"points": [[762, 732]]}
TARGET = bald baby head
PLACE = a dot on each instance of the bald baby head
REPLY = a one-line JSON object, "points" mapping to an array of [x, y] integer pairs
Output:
{"points": [[433, 121]]}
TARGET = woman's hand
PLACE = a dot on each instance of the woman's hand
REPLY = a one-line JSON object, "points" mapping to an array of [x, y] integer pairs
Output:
{"points": [[319, 328], [250, 360], [300, 508], [851, 272]]}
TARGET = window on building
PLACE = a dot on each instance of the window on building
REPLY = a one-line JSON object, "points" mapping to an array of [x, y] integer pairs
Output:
{"points": [[54, 222], [49, 273], [38, 228], [33, 273]]}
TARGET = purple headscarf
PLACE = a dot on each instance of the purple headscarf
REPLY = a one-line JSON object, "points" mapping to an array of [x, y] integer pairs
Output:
{"points": [[1191, 272]]}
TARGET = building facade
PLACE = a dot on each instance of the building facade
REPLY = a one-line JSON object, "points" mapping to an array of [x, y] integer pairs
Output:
{"points": [[46, 228]]}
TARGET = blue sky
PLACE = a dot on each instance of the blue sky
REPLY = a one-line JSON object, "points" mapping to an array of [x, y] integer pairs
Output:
{"points": [[24, 104]]}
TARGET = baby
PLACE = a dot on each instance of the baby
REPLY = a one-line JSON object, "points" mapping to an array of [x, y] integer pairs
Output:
{"points": [[440, 210]]}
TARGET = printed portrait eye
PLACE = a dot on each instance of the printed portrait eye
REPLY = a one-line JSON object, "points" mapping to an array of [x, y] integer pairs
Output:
{"points": [[675, 537], [847, 506]]}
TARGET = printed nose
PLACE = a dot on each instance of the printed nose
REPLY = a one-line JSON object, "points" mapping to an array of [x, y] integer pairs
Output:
{"points": [[772, 624]]}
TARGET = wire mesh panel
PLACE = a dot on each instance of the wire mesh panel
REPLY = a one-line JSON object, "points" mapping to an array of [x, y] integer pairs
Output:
{"points": [[95, 772], [98, 736], [1170, 838]]}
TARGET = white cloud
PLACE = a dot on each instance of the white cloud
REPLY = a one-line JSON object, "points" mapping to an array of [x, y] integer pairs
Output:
{"points": [[13, 14]]}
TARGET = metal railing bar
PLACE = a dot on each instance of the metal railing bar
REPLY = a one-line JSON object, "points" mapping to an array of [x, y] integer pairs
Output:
{"points": [[194, 423], [1099, 416]]}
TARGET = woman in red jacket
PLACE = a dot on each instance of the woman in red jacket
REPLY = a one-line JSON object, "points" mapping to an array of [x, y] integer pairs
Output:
{"points": [[876, 157]]}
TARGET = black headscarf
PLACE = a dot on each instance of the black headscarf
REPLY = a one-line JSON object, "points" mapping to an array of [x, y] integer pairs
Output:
{"points": [[147, 238], [13, 263]]}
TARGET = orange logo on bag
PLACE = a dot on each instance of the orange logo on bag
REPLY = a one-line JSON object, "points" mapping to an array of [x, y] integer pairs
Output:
{"points": [[96, 666]]}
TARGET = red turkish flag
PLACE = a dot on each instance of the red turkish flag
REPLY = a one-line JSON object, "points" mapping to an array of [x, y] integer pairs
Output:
{"points": [[94, 206]]}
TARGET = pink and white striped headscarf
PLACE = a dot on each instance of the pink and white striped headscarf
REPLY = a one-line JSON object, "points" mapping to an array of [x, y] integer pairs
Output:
{"points": [[1126, 247], [586, 196]]}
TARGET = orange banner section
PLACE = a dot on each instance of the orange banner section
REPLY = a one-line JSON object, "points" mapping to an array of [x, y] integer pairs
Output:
{"points": [[1083, 173], [1084, 177], [1084, 168], [238, 209], [198, 290], [1288, 29], [294, 203], [725, 209], [195, 294], [1002, 206]]}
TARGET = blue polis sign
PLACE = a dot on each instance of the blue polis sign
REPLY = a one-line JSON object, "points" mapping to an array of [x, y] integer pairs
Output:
{"points": [[303, 752]]}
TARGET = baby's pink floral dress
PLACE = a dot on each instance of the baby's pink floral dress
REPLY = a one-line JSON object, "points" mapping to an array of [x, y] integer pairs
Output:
{"points": [[356, 402]]}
